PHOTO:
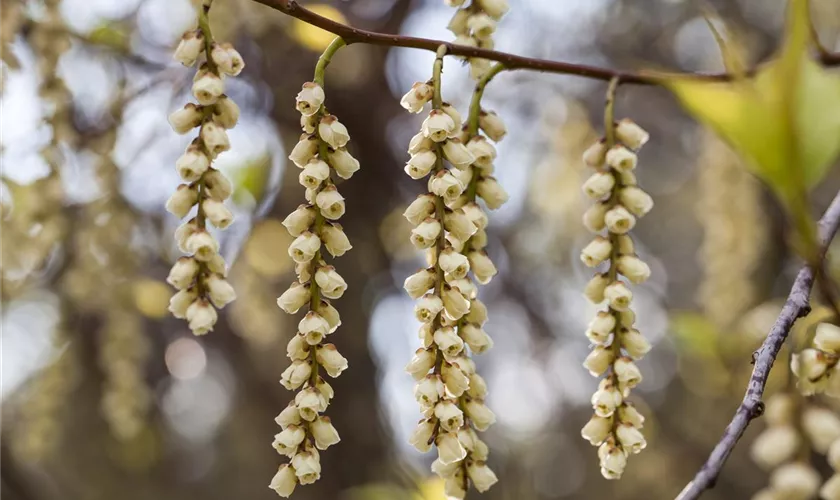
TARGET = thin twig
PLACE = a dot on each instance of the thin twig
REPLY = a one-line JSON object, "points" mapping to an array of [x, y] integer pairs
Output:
{"points": [[353, 35], [796, 306]]}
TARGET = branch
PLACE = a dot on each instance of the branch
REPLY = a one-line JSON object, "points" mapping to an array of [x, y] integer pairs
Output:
{"points": [[353, 35], [796, 306]]}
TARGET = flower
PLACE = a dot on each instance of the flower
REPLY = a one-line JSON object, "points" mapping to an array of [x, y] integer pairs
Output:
{"points": [[201, 316], [332, 361], [482, 477], [220, 291], [425, 234], [827, 338], [226, 112], [450, 449], [294, 298], [438, 126], [795, 480], [182, 201], [775, 446], [215, 138], [217, 213], [633, 268], [181, 301], [491, 192], [284, 481], [448, 341], [597, 251], [314, 173], [421, 363], [324, 433], [427, 308], [618, 220], [597, 429], [420, 164], [492, 125], [618, 295], [343, 163], [457, 154], [421, 438], [208, 87], [483, 151], [331, 283], [300, 220], [480, 415], [202, 245], [310, 99], [304, 150], [333, 132], [331, 203], [414, 100], [621, 158], [334, 239], [304, 247], [192, 164], [287, 441], [190, 46], [635, 200], [419, 283], [227, 59], [307, 467], [296, 374], [630, 134], [475, 337], [494, 8], [186, 119]]}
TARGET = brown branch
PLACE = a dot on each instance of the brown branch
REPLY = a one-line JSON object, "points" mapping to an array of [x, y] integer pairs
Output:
{"points": [[353, 35], [796, 306]]}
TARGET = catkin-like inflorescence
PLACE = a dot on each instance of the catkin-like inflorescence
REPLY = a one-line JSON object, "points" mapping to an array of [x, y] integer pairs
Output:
{"points": [[474, 25], [615, 428], [200, 276], [797, 428], [450, 226], [817, 368], [320, 152]]}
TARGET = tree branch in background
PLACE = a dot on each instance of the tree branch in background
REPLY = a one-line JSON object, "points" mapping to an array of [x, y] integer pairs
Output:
{"points": [[353, 35], [796, 306]]}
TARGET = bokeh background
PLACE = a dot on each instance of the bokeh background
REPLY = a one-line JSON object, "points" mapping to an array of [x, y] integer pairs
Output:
{"points": [[105, 396]]}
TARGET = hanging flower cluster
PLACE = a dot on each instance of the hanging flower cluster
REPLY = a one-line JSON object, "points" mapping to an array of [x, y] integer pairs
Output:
{"points": [[474, 25], [795, 428], [321, 150], [615, 426], [817, 368], [450, 226], [200, 276]]}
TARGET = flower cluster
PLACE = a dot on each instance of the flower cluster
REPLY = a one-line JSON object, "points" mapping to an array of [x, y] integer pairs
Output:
{"points": [[200, 277], [795, 427], [474, 25], [817, 368], [321, 150], [615, 426], [450, 225]]}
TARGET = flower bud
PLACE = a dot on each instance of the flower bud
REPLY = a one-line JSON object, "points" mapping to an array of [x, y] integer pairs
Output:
{"points": [[454, 303], [595, 155], [181, 301], [329, 358], [458, 24], [419, 165], [480, 415], [215, 138], [217, 213], [220, 291], [420, 209], [621, 158], [419, 283], [343, 163], [483, 152], [457, 154], [182, 201], [217, 186], [630, 134], [597, 429], [601, 327], [227, 59], [492, 125], [297, 348], [494, 8], [633, 268], [421, 363], [420, 143], [491, 192], [635, 200], [186, 119], [618, 220], [324, 433], [296, 374], [304, 150], [226, 112], [207, 88], [599, 185], [634, 343], [331, 203], [190, 46], [333, 132], [334, 239], [597, 251], [482, 266], [329, 313], [331, 283], [183, 273], [595, 288], [202, 245], [192, 164], [414, 100], [300, 220], [599, 360]]}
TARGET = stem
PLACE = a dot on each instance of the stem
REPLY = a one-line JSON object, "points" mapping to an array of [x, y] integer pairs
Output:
{"points": [[440, 208], [204, 26], [325, 59], [437, 69], [796, 306], [475, 104], [353, 35]]}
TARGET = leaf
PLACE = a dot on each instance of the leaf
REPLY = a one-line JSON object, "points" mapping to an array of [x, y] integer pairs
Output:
{"points": [[785, 120]]}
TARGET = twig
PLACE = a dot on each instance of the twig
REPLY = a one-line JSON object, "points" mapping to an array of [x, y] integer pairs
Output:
{"points": [[353, 35], [796, 306]]}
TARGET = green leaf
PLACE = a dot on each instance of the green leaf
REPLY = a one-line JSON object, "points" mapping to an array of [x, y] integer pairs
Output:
{"points": [[785, 120]]}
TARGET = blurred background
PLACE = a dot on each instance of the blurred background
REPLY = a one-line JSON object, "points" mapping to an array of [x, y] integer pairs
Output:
{"points": [[105, 395]]}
